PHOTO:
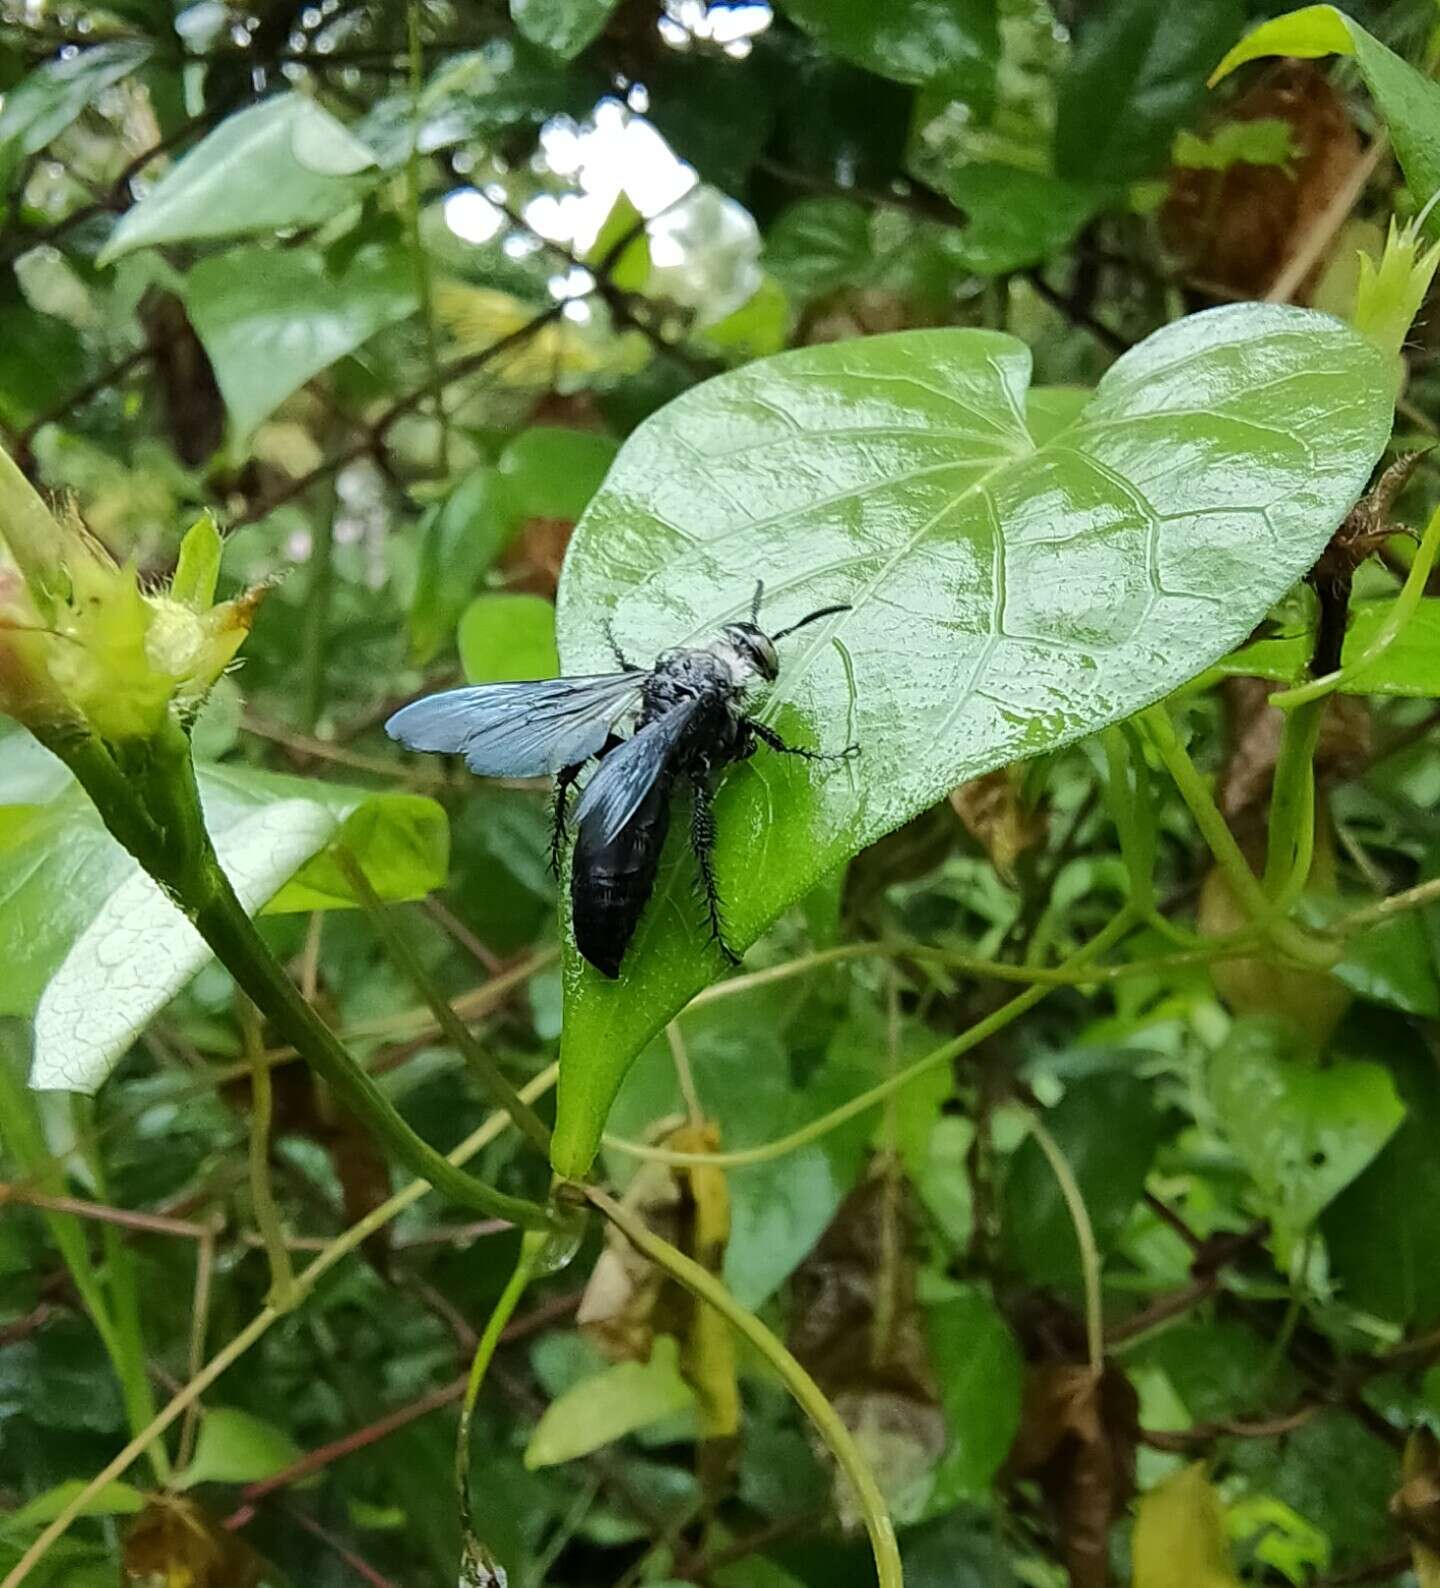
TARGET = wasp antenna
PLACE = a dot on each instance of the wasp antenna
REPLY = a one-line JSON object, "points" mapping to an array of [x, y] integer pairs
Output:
{"points": [[755, 604], [812, 617]]}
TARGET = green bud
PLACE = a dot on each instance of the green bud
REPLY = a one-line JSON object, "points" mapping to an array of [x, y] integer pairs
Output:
{"points": [[1389, 294]]}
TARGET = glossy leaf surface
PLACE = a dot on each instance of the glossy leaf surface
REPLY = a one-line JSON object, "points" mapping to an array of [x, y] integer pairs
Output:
{"points": [[1007, 596], [562, 27], [284, 162], [76, 913]]}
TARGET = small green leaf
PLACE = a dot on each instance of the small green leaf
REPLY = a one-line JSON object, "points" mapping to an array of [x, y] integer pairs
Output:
{"points": [[74, 906], [758, 328], [552, 472], [1016, 218], [115, 1499], [237, 1447], [818, 244], [610, 1404], [197, 570], [1303, 1131], [1108, 1127], [460, 539], [42, 104], [980, 1373], [1136, 73], [272, 318], [505, 637], [953, 44], [1380, 1230], [1008, 594], [1408, 100], [631, 269], [563, 27], [1268, 140], [282, 163], [1410, 665]]}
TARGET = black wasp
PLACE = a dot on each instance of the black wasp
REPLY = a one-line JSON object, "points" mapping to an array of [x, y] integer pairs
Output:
{"points": [[689, 721]]}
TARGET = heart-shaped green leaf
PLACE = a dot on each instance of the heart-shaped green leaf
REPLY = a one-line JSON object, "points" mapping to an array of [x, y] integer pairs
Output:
{"points": [[1304, 1132], [1008, 594], [77, 913], [284, 162], [271, 318]]}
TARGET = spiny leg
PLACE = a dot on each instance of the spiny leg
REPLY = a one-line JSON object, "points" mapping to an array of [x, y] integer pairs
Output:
{"points": [[621, 662], [767, 735], [702, 841], [564, 781]]}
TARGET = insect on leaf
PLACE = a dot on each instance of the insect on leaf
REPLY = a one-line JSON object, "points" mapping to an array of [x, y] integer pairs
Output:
{"points": [[1006, 595]]}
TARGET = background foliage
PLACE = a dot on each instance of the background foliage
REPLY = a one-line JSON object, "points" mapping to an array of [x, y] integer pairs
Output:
{"points": [[385, 288]]}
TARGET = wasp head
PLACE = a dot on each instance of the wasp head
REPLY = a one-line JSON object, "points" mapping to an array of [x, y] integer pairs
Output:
{"points": [[754, 649]]}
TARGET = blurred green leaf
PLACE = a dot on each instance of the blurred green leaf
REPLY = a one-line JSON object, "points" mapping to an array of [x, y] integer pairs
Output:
{"points": [[460, 540], [237, 1447], [1109, 1127], [819, 244], [951, 43], [74, 905], [115, 1499], [271, 318], [285, 162], [610, 1404], [1303, 1131], [980, 1373], [552, 472], [1016, 218], [563, 27], [1408, 100], [1136, 73], [899, 476], [43, 103], [1380, 1230], [505, 637]]}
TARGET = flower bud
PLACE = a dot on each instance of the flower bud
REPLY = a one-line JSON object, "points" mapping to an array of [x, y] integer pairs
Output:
{"points": [[82, 643]]}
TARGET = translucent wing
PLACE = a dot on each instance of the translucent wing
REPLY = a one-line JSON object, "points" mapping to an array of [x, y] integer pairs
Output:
{"points": [[519, 730], [627, 774]]}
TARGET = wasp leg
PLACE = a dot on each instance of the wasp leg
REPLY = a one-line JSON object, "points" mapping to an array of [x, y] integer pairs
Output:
{"points": [[767, 735], [702, 841], [621, 662], [564, 781]]}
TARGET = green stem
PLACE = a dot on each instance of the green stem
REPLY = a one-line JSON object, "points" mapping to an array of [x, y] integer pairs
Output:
{"points": [[224, 1359], [1084, 1239], [1400, 613], [489, 1074], [154, 810], [424, 287], [1287, 937], [316, 636], [1291, 845], [267, 1216], [705, 1287], [1104, 939], [532, 1246]]}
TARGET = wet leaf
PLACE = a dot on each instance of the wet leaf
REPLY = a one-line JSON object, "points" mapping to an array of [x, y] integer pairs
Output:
{"points": [[1302, 1130], [563, 27], [898, 474], [74, 905], [1410, 665]]}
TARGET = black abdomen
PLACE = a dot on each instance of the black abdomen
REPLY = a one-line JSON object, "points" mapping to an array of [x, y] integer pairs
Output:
{"points": [[610, 884]]}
